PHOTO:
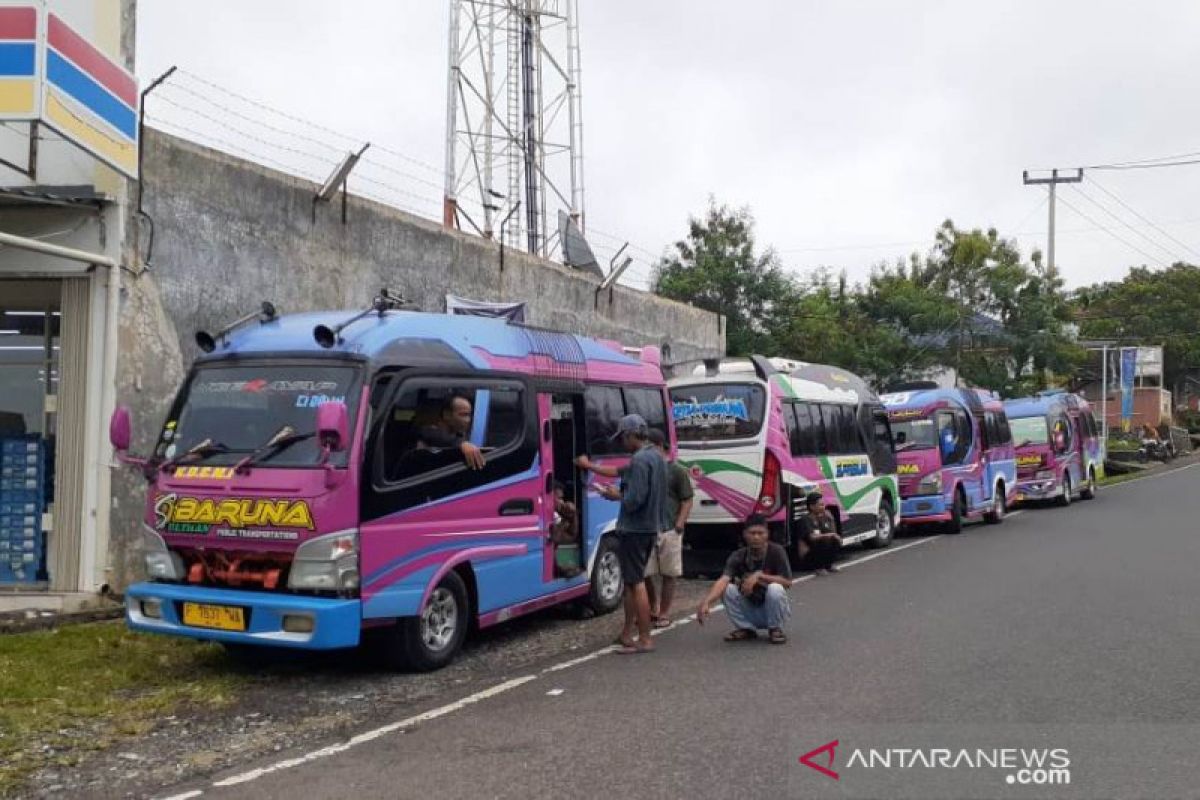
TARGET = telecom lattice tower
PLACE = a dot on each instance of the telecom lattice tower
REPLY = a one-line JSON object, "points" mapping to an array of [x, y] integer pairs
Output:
{"points": [[514, 133]]}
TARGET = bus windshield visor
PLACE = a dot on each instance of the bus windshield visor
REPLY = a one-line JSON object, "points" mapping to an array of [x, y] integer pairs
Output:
{"points": [[913, 434], [227, 412], [1029, 430], [717, 411]]}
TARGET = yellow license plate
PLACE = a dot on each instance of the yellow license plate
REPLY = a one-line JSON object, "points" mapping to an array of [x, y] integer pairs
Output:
{"points": [[225, 618]]}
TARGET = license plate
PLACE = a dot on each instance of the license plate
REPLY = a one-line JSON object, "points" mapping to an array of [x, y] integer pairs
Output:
{"points": [[225, 618]]}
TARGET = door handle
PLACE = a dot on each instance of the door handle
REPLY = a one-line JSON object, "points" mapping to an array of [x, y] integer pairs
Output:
{"points": [[515, 508]]}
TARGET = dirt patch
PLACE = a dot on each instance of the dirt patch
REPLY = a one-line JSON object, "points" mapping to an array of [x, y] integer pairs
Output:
{"points": [[302, 702]]}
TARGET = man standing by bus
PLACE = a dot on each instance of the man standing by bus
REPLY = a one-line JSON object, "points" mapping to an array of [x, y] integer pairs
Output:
{"points": [[642, 495], [666, 560]]}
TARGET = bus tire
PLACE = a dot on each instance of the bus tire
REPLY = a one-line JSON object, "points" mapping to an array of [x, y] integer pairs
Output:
{"points": [[1089, 491], [957, 513], [999, 506], [431, 640], [1064, 499], [885, 525], [606, 584]]}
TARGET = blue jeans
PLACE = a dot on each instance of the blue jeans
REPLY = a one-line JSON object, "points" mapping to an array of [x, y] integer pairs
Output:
{"points": [[771, 614]]}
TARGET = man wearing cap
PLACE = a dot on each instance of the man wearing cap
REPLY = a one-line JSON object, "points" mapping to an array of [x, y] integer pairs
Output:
{"points": [[666, 559], [819, 533], [643, 495]]}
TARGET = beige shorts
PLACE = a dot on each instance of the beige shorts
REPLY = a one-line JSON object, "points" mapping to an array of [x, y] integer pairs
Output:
{"points": [[667, 557]]}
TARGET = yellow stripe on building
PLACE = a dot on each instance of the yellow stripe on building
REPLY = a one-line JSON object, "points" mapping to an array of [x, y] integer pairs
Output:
{"points": [[121, 154], [17, 97]]}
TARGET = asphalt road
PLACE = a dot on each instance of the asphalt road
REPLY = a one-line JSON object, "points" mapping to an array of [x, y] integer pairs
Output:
{"points": [[1075, 630]]}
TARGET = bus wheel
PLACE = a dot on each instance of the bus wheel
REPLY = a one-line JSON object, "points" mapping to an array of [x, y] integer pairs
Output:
{"points": [[885, 526], [1089, 491], [430, 641], [999, 507], [957, 512], [1065, 498], [606, 578]]}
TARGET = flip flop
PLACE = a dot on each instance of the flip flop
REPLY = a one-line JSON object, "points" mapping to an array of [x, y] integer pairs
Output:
{"points": [[663, 622], [634, 651], [777, 636], [741, 635]]}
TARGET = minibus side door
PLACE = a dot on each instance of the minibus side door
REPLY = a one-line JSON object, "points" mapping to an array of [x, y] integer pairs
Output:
{"points": [[425, 510]]}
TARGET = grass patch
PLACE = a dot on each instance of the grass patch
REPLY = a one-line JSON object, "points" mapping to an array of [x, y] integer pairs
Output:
{"points": [[70, 690]]}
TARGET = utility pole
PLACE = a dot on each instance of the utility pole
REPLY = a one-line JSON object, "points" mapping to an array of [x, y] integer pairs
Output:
{"points": [[1053, 182]]}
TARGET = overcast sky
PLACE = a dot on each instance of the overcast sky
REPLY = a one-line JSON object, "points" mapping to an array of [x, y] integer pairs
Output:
{"points": [[851, 129]]}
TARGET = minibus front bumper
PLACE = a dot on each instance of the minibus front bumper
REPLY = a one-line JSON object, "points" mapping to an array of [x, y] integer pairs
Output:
{"points": [[240, 617], [923, 508], [1038, 489]]}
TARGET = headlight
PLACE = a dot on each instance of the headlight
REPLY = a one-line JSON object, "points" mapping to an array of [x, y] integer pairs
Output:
{"points": [[1045, 474], [161, 563], [930, 484], [328, 563]]}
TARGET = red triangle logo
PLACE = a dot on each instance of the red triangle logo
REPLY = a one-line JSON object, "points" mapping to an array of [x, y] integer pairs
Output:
{"points": [[831, 749]]}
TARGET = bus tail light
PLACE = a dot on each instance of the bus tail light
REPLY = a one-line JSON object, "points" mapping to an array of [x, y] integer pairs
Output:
{"points": [[768, 494]]}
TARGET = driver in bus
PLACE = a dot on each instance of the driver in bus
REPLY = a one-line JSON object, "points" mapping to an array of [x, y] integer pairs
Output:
{"points": [[451, 430]]}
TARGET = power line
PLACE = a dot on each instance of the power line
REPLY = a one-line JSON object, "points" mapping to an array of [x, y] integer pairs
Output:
{"points": [[1133, 211], [314, 125], [1149, 239], [1155, 165], [1110, 232]]}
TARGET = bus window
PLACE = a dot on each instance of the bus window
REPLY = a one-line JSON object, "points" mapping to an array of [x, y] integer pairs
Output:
{"points": [[604, 408], [498, 420], [793, 429], [807, 430], [649, 403]]}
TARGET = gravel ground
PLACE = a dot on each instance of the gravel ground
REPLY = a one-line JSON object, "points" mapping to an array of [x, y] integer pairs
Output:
{"points": [[319, 699]]}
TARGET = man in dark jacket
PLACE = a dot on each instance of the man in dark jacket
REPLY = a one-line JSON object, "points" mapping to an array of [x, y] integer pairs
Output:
{"points": [[819, 533]]}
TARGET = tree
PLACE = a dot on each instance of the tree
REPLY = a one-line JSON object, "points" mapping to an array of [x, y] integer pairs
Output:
{"points": [[718, 269], [1148, 307]]}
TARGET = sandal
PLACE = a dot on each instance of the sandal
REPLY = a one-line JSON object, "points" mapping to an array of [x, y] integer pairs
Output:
{"points": [[741, 635], [635, 650], [663, 622], [776, 636]]}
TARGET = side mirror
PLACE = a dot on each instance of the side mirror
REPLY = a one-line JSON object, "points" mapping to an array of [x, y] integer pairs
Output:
{"points": [[119, 429], [1060, 441], [333, 425]]}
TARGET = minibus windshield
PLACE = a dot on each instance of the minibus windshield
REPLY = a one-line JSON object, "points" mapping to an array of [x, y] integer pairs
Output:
{"points": [[913, 434], [225, 412], [1029, 430]]}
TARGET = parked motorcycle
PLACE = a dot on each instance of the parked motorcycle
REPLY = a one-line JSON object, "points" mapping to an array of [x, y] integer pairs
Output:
{"points": [[1156, 449]]}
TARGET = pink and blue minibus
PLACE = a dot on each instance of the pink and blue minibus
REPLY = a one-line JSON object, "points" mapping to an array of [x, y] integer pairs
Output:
{"points": [[294, 502]]}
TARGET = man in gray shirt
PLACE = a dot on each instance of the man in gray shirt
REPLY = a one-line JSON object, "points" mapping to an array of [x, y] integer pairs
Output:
{"points": [[643, 498]]}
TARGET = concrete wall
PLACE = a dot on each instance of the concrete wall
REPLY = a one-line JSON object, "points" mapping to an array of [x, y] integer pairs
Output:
{"points": [[229, 234]]}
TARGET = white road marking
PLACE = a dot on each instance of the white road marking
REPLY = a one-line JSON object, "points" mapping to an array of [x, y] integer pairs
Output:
{"points": [[441, 711], [554, 692]]}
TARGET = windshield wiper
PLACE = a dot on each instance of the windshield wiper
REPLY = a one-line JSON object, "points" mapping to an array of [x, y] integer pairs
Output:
{"points": [[1027, 441], [201, 449], [283, 438]]}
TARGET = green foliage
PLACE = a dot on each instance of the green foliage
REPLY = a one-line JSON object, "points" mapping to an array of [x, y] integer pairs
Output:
{"points": [[716, 268], [1148, 307], [910, 316], [87, 687]]}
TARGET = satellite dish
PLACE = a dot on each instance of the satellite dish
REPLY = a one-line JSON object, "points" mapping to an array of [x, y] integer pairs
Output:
{"points": [[577, 252]]}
